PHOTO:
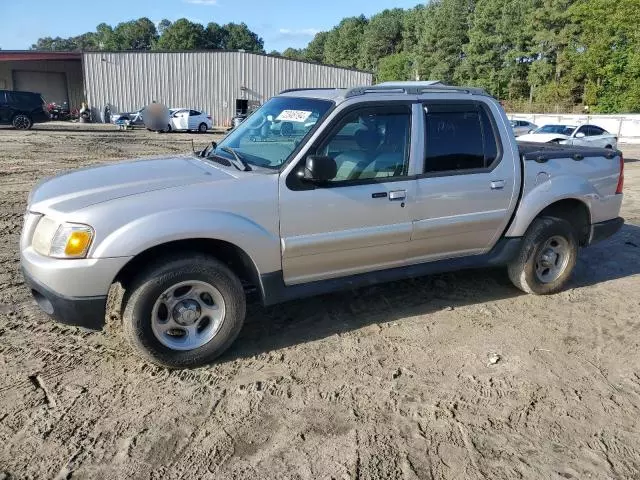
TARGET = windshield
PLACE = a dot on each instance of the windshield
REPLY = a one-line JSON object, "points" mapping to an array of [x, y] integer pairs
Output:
{"points": [[269, 135], [559, 129]]}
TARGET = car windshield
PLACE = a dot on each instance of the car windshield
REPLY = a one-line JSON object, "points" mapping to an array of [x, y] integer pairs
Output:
{"points": [[559, 129], [270, 134]]}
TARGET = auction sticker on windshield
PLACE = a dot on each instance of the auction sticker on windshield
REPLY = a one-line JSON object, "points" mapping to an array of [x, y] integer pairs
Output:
{"points": [[293, 116]]}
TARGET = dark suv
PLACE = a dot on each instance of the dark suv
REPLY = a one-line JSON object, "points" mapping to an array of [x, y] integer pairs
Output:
{"points": [[22, 109]]}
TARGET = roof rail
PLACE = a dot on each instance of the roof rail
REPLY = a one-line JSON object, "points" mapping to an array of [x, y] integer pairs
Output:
{"points": [[307, 88], [413, 89]]}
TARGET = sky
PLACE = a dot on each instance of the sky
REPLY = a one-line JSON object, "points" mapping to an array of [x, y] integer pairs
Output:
{"points": [[281, 23]]}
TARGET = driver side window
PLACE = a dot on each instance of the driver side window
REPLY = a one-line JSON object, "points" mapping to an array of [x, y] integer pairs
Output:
{"points": [[370, 143]]}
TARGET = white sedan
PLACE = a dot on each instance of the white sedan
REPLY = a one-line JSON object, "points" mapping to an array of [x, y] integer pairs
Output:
{"points": [[583, 135], [185, 119]]}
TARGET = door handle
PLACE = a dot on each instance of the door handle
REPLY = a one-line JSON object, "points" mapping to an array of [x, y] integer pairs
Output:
{"points": [[497, 185], [397, 195]]}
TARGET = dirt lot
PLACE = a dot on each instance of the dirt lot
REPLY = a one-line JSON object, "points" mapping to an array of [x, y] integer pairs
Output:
{"points": [[386, 382]]}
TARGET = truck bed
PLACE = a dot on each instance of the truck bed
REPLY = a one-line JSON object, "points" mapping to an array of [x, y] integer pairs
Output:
{"points": [[542, 152]]}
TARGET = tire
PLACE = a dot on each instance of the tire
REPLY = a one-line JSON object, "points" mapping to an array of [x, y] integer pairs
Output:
{"points": [[202, 128], [609, 147], [527, 271], [169, 129], [166, 349], [22, 122]]}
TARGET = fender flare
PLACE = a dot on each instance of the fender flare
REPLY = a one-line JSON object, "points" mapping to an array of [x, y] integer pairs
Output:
{"points": [[565, 187], [133, 238]]}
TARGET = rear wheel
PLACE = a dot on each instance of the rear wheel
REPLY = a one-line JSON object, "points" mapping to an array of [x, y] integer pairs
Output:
{"points": [[22, 122], [169, 128], [184, 312], [547, 258], [202, 128]]}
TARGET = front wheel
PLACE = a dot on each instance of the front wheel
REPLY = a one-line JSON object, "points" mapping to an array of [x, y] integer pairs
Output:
{"points": [[184, 312], [547, 257]]}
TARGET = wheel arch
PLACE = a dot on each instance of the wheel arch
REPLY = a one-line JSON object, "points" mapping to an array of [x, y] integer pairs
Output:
{"points": [[234, 257], [575, 211]]}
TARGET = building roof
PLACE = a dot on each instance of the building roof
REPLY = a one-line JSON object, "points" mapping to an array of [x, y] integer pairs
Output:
{"points": [[18, 55]]}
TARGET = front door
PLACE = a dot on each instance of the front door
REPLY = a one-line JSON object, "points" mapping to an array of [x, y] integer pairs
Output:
{"points": [[181, 120], [468, 187], [359, 221]]}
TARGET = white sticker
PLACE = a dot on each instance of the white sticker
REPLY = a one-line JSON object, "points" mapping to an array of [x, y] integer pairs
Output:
{"points": [[293, 116]]}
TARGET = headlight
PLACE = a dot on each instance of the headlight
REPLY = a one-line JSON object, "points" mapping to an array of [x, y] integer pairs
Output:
{"points": [[67, 240]]}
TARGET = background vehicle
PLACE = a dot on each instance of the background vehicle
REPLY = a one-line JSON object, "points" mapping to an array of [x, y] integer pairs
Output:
{"points": [[522, 127], [22, 109], [583, 135], [362, 196], [134, 118], [59, 111], [184, 119]]}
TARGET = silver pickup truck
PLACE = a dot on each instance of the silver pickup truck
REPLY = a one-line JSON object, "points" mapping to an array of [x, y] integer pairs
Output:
{"points": [[355, 187]]}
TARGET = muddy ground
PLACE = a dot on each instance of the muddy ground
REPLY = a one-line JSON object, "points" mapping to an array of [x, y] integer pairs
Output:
{"points": [[387, 382]]}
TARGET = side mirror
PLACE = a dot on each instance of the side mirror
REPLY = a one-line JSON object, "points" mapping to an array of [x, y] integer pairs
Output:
{"points": [[580, 135], [319, 169]]}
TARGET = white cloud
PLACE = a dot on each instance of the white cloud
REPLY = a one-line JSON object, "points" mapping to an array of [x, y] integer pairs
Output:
{"points": [[303, 32], [202, 2]]}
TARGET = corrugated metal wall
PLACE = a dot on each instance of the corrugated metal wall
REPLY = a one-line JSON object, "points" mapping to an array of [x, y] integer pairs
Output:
{"points": [[209, 81]]}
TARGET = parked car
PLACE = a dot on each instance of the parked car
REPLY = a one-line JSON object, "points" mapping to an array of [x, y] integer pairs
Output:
{"points": [[365, 196], [134, 118], [522, 127], [583, 135], [184, 119], [22, 109]]}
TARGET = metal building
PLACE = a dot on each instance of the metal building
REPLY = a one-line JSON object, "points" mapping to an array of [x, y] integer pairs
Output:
{"points": [[218, 82]]}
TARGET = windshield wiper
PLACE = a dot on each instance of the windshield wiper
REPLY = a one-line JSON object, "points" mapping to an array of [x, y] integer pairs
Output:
{"points": [[240, 163]]}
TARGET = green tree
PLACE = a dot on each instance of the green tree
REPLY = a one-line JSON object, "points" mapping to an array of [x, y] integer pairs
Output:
{"points": [[497, 56], [293, 53], [239, 37], [343, 42], [217, 36], [395, 67], [315, 50], [551, 74], [54, 44], [441, 46], [382, 37], [163, 25], [182, 35], [607, 53], [138, 34]]}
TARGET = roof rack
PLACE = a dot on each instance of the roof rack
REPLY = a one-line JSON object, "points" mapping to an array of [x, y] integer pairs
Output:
{"points": [[413, 89], [307, 88]]}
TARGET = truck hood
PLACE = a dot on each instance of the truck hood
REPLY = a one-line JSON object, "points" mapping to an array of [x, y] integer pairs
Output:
{"points": [[89, 186], [541, 137]]}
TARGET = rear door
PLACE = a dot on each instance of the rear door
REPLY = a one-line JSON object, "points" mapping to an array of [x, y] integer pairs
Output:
{"points": [[598, 137], [5, 109], [195, 119], [468, 185]]}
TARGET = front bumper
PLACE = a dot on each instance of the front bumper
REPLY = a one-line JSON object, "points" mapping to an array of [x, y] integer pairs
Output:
{"points": [[88, 312], [603, 230]]}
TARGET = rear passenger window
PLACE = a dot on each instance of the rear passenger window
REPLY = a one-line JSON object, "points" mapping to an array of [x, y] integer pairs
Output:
{"points": [[458, 138]]}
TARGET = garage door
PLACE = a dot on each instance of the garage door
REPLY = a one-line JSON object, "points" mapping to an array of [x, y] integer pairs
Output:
{"points": [[52, 85]]}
